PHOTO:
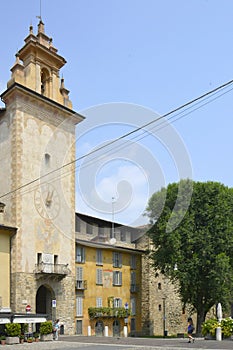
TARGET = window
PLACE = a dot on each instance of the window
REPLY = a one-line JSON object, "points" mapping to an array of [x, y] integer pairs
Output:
{"points": [[89, 229], [117, 259], [160, 307], [99, 276], [39, 258], [77, 224], [117, 278], [47, 159], [79, 277], [123, 235], [117, 302], [80, 254], [99, 257], [99, 302], [101, 231], [159, 286], [133, 281], [133, 261], [133, 306], [79, 306]]}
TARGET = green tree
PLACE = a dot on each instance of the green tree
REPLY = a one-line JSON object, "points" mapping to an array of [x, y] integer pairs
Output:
{"points": [[194, 243]]}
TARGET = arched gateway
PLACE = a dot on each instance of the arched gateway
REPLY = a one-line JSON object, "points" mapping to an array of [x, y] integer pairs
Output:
{"points": [[44, 297]]}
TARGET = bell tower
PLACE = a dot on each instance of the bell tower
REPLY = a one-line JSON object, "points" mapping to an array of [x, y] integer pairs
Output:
{"points": [[37, 67], [37, 146]]}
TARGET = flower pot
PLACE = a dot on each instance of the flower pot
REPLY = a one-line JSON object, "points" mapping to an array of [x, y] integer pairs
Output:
{"points": [[12, 340], [46, 337], [3, 342]]}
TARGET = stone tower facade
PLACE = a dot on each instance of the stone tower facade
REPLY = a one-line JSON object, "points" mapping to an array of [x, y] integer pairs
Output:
{"points": [[37, 139]]}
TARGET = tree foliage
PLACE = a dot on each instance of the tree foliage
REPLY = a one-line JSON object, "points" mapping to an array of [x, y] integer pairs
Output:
{"points": [[198, 242]]}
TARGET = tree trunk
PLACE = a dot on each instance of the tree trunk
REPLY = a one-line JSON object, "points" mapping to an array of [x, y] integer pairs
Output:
{"points": [[201, 314]]}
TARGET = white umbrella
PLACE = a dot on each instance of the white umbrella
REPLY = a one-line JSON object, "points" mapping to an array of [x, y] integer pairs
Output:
{"points": [[219, 312]]}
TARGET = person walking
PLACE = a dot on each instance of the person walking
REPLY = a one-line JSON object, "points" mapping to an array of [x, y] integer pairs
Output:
{"points": [[56, 329], [190, 330]]}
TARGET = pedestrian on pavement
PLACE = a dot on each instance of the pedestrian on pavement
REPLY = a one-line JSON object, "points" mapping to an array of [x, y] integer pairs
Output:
{"points": [[190, 330], [56, 329]]}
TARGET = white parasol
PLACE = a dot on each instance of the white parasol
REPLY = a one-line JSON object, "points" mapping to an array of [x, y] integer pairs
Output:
{"points": [[219, 312]]}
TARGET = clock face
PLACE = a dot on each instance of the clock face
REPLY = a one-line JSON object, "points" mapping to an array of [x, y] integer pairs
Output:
{"points": [[47, 201]]}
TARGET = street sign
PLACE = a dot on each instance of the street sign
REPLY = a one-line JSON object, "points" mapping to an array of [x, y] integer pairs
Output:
{"points": [[28, 309]]}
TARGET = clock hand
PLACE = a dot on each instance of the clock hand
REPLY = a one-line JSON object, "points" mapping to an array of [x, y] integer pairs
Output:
{"points": [[48, 200]]}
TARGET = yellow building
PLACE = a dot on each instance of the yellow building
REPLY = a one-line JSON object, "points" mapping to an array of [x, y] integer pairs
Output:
{"points": [[6, 233], [108, 278]]}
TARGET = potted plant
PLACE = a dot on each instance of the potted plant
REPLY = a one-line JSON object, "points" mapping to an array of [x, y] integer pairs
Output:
{"points": [[3, 339], [21, 338], [30, 340], [208, 328], [46, 331], [36, 336], [227, 327], [13, 331]]}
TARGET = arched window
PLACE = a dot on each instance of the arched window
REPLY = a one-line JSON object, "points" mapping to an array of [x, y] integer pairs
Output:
{"points": [[44, 82]]}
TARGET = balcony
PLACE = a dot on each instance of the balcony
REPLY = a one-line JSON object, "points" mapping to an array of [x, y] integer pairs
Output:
{"points": [[53, 270], [81, 285]]}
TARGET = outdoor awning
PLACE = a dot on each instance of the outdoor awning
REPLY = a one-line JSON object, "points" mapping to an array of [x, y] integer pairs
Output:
{"points": [[29, 318], [4, 320]]}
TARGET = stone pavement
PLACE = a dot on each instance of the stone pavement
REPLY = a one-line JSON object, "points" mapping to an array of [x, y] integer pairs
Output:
{"points": [[108, 343]]}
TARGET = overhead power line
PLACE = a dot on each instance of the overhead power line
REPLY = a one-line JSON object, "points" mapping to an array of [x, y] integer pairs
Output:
{"points": [[186, 106]]}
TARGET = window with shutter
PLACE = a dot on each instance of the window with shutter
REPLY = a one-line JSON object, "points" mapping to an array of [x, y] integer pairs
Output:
{"points": [[79, 306], [117, 302], [79, 277], [99, 302], [133, 261], [117, 278], [99, 257], [117, 259], [133, 306], [99, 276], [80, 254]]}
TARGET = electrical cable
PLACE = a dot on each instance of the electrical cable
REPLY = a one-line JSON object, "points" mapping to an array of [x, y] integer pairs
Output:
{"points": [[187, 104]]}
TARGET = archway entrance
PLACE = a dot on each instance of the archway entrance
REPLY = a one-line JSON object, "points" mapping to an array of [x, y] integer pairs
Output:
{"points": [[44, 297], [116, 328]]}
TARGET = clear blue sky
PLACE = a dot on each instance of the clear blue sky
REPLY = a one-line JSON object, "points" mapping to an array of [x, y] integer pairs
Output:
{"points": [[158, 54]]}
